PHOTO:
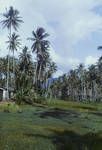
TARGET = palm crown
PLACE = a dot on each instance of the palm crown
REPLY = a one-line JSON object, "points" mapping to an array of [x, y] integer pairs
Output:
{"points": [[39, 42], [14, 42], [12, 19]]}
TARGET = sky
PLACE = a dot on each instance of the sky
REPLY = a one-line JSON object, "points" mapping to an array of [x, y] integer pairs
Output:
{"points": [[75, 28]]}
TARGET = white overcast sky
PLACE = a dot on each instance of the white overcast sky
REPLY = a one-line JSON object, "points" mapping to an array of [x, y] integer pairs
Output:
{"points": [[75, 28]]}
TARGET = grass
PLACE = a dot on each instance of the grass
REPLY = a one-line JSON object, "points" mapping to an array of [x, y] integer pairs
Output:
{"points": [[9, 107], [58, 126]]}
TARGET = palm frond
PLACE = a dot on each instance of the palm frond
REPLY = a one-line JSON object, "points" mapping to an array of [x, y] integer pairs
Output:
{"points": [[99, 48]]}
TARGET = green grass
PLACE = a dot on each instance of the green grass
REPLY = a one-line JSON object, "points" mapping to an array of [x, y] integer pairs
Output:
{"points": [[58, 126], [9, 107]]}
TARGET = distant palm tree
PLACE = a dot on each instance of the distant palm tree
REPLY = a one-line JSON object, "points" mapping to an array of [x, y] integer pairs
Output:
{"points": [[51, 71], [11, 20], [25, 59], [13, 45], [39, 46], [24, 72]]}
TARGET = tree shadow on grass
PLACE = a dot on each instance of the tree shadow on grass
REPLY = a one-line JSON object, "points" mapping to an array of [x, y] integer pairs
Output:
{"points": [[58, 113], [69, 140]]}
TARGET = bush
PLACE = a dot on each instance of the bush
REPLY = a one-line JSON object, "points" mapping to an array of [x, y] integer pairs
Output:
{"points": [[10, 107], [28, 96], [19, 97]]}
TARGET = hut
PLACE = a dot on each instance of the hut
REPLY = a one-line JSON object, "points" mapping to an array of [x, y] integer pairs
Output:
{"points": [[3, 94]]}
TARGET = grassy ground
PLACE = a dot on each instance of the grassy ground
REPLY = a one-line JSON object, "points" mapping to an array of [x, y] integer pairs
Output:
{"points": [[58, 126]]}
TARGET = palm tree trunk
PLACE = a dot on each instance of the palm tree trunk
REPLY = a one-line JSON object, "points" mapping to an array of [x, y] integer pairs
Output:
{"points": [[13, 63], [13, 71], [8, 77], [46, 85], [39, 75], [35, 76], [8, 69]]}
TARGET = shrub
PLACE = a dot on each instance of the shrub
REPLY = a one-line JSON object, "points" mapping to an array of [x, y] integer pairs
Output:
{"points": [[28, 96], [19, 97], [10, 107]]}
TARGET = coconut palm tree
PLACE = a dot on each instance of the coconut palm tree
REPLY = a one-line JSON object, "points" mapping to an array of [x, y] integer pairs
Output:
{"points": [[11, 20], [51, 71], [81, 72], [24, 70], [25, 59], [13, 45], [39, 46]]}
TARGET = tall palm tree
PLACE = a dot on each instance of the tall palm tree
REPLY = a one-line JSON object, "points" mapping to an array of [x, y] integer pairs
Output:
{"points": [[39, 46], [11, 20], [13, 45]]}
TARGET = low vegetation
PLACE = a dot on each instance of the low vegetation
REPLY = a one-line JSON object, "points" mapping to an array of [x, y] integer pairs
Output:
{"points": [[9, 107], [57, 125]]}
